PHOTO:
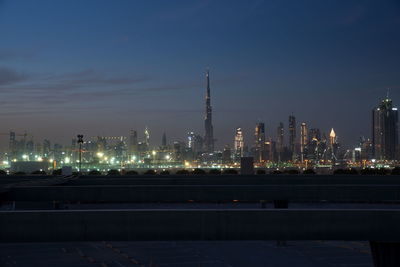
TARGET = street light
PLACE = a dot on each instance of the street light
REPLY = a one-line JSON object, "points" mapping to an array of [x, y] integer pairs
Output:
{"points": [[80, 142]]}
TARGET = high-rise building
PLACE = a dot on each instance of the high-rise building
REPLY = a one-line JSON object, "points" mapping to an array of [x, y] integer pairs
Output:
{"points": [[333, 145], [385, 131], [313, 144], [280, 141], [164, 141], [46, 148], [12, 146], [190, 139], [303, 141], [292, 137], [194, 142], [332, 138], [259, 142], [133, 142], [269, 149], [238, 144], [147, 137], [209, 135], [227, 155]]}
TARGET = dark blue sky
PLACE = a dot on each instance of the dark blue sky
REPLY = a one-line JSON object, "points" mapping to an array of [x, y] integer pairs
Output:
{"points": [[105, 67]]}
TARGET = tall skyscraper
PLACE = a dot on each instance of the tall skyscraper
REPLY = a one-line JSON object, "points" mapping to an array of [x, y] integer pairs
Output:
{"points": [[12, 145], [313, 144], [147, 137], [259, 142], [280, 141], [333, 145], [133, 143], [164, 141], [239, 144], [209, 135], [292, 137], [227, 155], [332, 138], [194, 142], [303, 140], [385, 131], [190, 139]]}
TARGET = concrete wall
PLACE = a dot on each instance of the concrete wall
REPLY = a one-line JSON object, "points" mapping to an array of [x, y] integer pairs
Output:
{"points": [[205, 193], [89, 225], [234, 179]]}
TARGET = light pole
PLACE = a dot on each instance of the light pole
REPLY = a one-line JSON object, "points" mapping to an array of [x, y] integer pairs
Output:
{"points": [[80, 142]]}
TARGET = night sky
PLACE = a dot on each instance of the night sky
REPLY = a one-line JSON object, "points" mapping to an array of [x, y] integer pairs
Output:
{"points": [[106, 67]]}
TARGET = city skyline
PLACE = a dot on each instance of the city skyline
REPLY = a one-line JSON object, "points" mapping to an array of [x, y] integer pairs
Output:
{"points": [[146, 67], [156, 141]]}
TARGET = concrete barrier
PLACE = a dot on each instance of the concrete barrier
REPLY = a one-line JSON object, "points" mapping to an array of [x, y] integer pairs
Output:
{"points": [[205, 193], [95, 225], [234, 180]]}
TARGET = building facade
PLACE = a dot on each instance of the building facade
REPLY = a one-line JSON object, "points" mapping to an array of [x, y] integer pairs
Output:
{"points": [[385, 131], [209, 131], [259, 142]]}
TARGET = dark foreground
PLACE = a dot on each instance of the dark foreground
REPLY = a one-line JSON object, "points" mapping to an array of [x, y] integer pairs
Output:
{"points": [[188, 253]]}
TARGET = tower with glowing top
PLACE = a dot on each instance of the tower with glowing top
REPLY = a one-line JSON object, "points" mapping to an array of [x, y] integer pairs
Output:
{"points": [[385, 130], [332, 137], [209, 135]]}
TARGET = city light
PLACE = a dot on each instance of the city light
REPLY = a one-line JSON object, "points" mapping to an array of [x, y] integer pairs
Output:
{"points": [[303, 146]]}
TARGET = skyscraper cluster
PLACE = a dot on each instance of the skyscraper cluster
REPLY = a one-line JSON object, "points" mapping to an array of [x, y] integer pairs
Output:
{"points": [[298, 144], [287, 147]]}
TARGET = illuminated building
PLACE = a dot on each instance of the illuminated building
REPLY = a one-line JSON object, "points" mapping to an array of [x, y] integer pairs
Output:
{"points": [[366, 148], [259, 142], [179, 150], [147, 137], [238, 144], [313, 145], [190, 139], [194, 142], [303, 141], [209, 135], [280, 142], [292, 138], [385, 131], [227, 155], [332, 138], [333, 145], [133, 143], [269, 149], [46, 148], [164, 141], [12, 146]]}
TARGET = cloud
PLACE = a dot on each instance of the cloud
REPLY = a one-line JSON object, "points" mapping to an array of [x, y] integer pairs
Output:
{"points": [[9, 76], [79, 87], [67, 82], [88, 87], [91, 77]]}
